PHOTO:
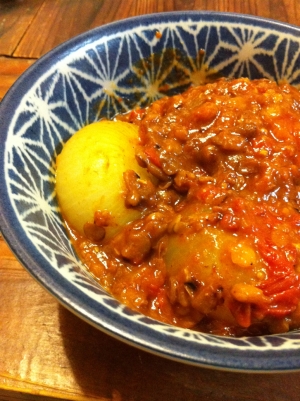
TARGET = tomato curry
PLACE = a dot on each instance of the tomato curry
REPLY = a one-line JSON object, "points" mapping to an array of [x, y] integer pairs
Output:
{"points": [[217, 244]]}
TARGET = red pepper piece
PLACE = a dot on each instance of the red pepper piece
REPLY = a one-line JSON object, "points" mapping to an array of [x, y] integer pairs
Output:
{"points": [[153, 156]]}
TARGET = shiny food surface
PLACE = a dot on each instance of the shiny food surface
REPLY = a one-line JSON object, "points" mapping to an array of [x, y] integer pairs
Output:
{"points": [[216, 246], [68, 342]]}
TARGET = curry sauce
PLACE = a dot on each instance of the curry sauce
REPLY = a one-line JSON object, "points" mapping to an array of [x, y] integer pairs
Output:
{"points": [[217, 245]]}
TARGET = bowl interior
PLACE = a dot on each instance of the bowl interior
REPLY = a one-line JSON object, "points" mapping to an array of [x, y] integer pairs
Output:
{"points": [[99, 74]]}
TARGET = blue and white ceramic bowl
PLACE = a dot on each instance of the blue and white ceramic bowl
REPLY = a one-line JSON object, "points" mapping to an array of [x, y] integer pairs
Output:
{"points": [[98, 74]]}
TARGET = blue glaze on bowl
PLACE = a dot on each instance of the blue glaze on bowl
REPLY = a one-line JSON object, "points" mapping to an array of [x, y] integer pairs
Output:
{"points": [[98, 74]]}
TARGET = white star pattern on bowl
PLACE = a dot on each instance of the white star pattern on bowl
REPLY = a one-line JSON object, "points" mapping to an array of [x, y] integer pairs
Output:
{"points": [[100, 74]]}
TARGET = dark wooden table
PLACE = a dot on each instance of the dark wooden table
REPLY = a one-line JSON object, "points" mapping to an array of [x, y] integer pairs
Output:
{"points": [[48, 353]]}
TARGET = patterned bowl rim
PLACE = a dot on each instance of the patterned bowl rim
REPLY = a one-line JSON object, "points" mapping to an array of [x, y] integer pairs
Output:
{"points": [[278, 353]]}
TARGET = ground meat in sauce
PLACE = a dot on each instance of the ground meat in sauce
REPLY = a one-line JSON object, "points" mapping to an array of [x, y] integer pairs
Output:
{"points": [[217, 246]]}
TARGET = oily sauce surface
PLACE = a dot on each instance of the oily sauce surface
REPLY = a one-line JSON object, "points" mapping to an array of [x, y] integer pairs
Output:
{"points": [[217, 246]]}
